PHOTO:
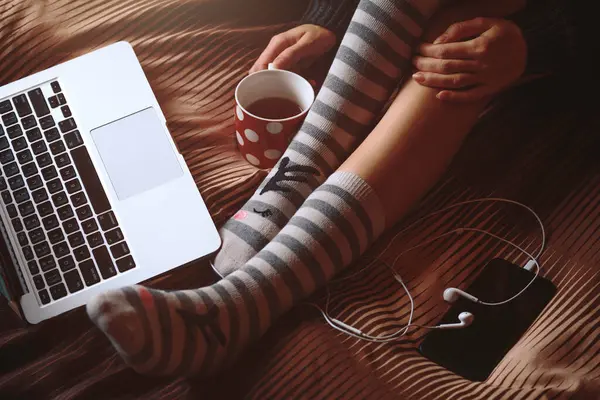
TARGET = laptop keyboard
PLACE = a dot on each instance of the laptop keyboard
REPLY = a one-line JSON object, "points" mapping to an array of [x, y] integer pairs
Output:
{"points": [[51, 192]]}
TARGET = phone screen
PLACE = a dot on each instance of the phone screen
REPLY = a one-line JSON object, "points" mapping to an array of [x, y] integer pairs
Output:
{"points": [[475, 351]]}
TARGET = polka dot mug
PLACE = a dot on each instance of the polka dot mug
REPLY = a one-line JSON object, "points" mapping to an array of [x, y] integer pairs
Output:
{"points": [[260, 140]]}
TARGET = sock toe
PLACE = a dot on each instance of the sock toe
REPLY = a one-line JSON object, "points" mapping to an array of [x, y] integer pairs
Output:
{"points": [[118, 320]]}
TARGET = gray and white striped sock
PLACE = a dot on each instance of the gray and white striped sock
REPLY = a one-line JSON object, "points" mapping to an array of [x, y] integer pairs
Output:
{"points": [[373, 57], [203, 330]]}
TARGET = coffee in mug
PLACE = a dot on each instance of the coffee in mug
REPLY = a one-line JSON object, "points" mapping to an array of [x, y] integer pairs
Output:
{"points": [[270, 108]]}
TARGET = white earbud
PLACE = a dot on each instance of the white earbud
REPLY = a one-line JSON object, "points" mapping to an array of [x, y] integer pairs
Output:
{"points": [[465, 318], [451, 295]]}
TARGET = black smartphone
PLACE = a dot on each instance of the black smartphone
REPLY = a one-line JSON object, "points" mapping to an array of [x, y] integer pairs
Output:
{"points": [[473, 352]]}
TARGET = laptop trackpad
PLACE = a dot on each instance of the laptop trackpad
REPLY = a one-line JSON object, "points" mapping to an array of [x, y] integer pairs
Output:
{"points": [[136, 153]]}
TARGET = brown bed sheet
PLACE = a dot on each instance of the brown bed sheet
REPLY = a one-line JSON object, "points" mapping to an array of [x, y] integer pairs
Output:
{"points": [[536, 147]]}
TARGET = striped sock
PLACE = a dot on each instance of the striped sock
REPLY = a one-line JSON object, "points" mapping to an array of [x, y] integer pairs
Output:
{"points": [[202, 331], [374, 55]]}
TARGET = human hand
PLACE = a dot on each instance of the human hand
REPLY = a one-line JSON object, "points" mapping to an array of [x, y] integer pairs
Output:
{"points": [[297, 48], [492, 60]]}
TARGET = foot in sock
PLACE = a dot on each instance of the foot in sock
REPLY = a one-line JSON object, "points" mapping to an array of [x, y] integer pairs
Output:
{"points": [[372, 59], [202, 331]]}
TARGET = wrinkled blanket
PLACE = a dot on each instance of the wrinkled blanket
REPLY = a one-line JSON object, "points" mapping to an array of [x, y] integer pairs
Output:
{"points": [[537, 146]]}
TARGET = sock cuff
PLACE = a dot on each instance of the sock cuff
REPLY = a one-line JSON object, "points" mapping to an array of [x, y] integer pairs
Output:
{"points": [[364, 194]]}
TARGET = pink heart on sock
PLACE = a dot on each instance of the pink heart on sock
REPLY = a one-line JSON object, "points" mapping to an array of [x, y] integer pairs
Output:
{"points": [[240, 215]]}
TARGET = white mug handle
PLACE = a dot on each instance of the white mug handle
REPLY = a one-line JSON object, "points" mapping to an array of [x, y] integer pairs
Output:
{"points": [[271, 67]]}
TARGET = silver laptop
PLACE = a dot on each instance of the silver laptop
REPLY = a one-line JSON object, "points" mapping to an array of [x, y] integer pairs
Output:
{"points": [[94, 193]]}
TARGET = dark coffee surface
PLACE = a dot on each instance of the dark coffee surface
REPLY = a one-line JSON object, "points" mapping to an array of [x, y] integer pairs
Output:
{"points": [[274, 108]]}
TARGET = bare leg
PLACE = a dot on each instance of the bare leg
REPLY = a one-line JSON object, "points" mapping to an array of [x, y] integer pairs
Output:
{"points": [[419, 135]]}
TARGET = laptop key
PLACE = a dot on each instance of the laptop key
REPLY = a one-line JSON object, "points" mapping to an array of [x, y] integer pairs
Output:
{"points": [[49, 173], [40, 147], [17, 225], [105, 264], [81, 253], [107, 221], [27, 253], [6, 197], [66, 263], [55, 185], [36, 235], [9, 119], [20, 144], [33, 135], [21, 105], [78, 199], [67, 173], [56, 236], [40, 195], [62, 160], [52, 277], [67, 125], [12, 210], [57, 147], [76, 239], [44, 297], [65, 212], [73, 139], [61, 99], [50, 222], [55, 87], [41, 249], [90, 180], [84, 213], [38, 102], [21, 195], [58, 292], [5, 106], [35, 182], [26, 208], [73, 281], [66, 111], [89, 272], [7, 156], [44, 160], [39, 282], [22, 237], [61, 250], [89, 226], [70, 226], [60, 199], [3, 185], [24, 156], [47, 263], [114, 236], [47, 122], [14, 131], [11, 169], [16, 182], [73, 186], [31, 222], [119, 250], [29, 169], [3, 142], [33, 267], [53, 101], [52, 135], [125, 264], [29, 122], [45, 209], [95, 239]]}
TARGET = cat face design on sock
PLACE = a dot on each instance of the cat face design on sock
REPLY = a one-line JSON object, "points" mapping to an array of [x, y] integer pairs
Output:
{"points": [[208, 324], [290, 173]]}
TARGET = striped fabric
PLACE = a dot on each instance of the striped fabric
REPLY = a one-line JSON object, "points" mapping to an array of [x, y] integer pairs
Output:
{"points": [[539, 148], [372, 59]]}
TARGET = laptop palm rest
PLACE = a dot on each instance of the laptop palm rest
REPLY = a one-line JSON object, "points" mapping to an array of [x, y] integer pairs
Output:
{"points": [[136, 153]]}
